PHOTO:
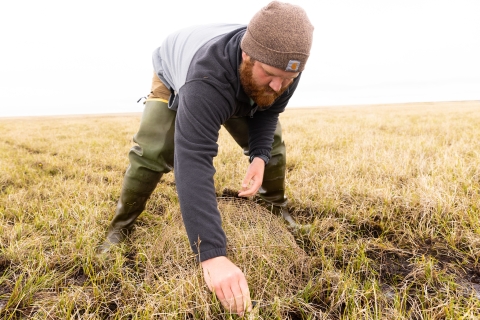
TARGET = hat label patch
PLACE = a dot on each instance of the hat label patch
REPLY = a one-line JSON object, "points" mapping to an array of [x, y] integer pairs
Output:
{"points": [[293, 65]]}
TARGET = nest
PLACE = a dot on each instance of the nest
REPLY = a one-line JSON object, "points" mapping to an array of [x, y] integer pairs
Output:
{"points": [[263, 247], [258, 242]]}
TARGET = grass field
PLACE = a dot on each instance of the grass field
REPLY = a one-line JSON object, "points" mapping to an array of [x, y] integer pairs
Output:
{"points": [[392, 193]]}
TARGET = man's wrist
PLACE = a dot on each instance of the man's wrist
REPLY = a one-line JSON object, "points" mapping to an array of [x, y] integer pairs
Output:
{"points": [[212, 260], [261, 156]]}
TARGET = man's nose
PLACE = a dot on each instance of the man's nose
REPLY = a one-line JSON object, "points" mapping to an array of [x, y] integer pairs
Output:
{"points": [[276, 84]]}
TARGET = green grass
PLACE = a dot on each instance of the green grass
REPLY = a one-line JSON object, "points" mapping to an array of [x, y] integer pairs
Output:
{"points": [[392, 193]]}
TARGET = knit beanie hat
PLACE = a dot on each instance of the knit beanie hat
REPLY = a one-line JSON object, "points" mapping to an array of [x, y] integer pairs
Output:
{"points": [[279, 35]]}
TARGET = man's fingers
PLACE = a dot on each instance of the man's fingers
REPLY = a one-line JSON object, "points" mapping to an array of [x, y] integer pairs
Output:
{"points": [[229, 301], [246, 193], [246, 293], [229, 284], [257, 183], [236, 298], [220, 296], [246, 182], [240, 298], [230, 304], [252, 189], [253, 178]]}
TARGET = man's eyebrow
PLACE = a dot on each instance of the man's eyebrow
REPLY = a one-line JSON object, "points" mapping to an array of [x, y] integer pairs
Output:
{"points": [[274, 75]]}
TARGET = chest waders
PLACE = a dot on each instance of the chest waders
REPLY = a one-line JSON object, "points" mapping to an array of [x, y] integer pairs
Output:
{"points": [[153, 156], [149, 160]]}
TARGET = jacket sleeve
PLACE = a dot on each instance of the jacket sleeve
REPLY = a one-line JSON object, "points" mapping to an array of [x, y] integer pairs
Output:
{"points": [[201, 111], [262, 124]]}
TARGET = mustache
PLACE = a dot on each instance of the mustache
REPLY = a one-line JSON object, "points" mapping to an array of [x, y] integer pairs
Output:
{"points": [[264, 96]]}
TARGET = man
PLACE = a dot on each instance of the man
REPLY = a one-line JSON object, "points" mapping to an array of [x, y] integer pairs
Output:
{"points": [[241, 77]]}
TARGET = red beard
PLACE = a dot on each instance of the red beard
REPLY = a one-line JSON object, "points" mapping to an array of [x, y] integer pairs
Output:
{"points": [[263, 96]]}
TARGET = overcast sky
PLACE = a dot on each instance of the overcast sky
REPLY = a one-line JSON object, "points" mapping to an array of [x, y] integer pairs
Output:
{"points": [[83, 57]]}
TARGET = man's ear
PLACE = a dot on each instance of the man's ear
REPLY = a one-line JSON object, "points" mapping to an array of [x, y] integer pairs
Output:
{"points": [[245, 56]]}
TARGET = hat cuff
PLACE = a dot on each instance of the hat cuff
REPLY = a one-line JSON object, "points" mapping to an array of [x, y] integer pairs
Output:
{"points": [[282, 60]]}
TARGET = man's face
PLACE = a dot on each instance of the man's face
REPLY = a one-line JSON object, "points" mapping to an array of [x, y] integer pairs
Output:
{"points": [[263, 83]]}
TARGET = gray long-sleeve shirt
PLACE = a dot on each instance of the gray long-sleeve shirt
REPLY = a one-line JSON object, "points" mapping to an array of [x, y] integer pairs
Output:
{"points": [[200, 65]]}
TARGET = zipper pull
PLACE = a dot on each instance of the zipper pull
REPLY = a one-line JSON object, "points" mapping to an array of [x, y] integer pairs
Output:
{"points": [[253, 111]]}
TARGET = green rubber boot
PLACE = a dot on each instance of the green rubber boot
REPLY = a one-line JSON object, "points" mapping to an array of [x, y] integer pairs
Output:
{"points": [[272, 191], [149, 160]]}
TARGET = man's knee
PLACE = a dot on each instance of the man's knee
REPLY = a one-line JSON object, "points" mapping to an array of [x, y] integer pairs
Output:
{"points": [[155, 138], [159, 90]]}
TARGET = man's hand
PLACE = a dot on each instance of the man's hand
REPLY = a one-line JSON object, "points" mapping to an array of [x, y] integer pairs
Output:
{"points": [[253, 179], [228, 282]]}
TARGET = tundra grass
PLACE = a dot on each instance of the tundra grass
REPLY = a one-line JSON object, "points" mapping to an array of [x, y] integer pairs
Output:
{"points": [[392, 193]]}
